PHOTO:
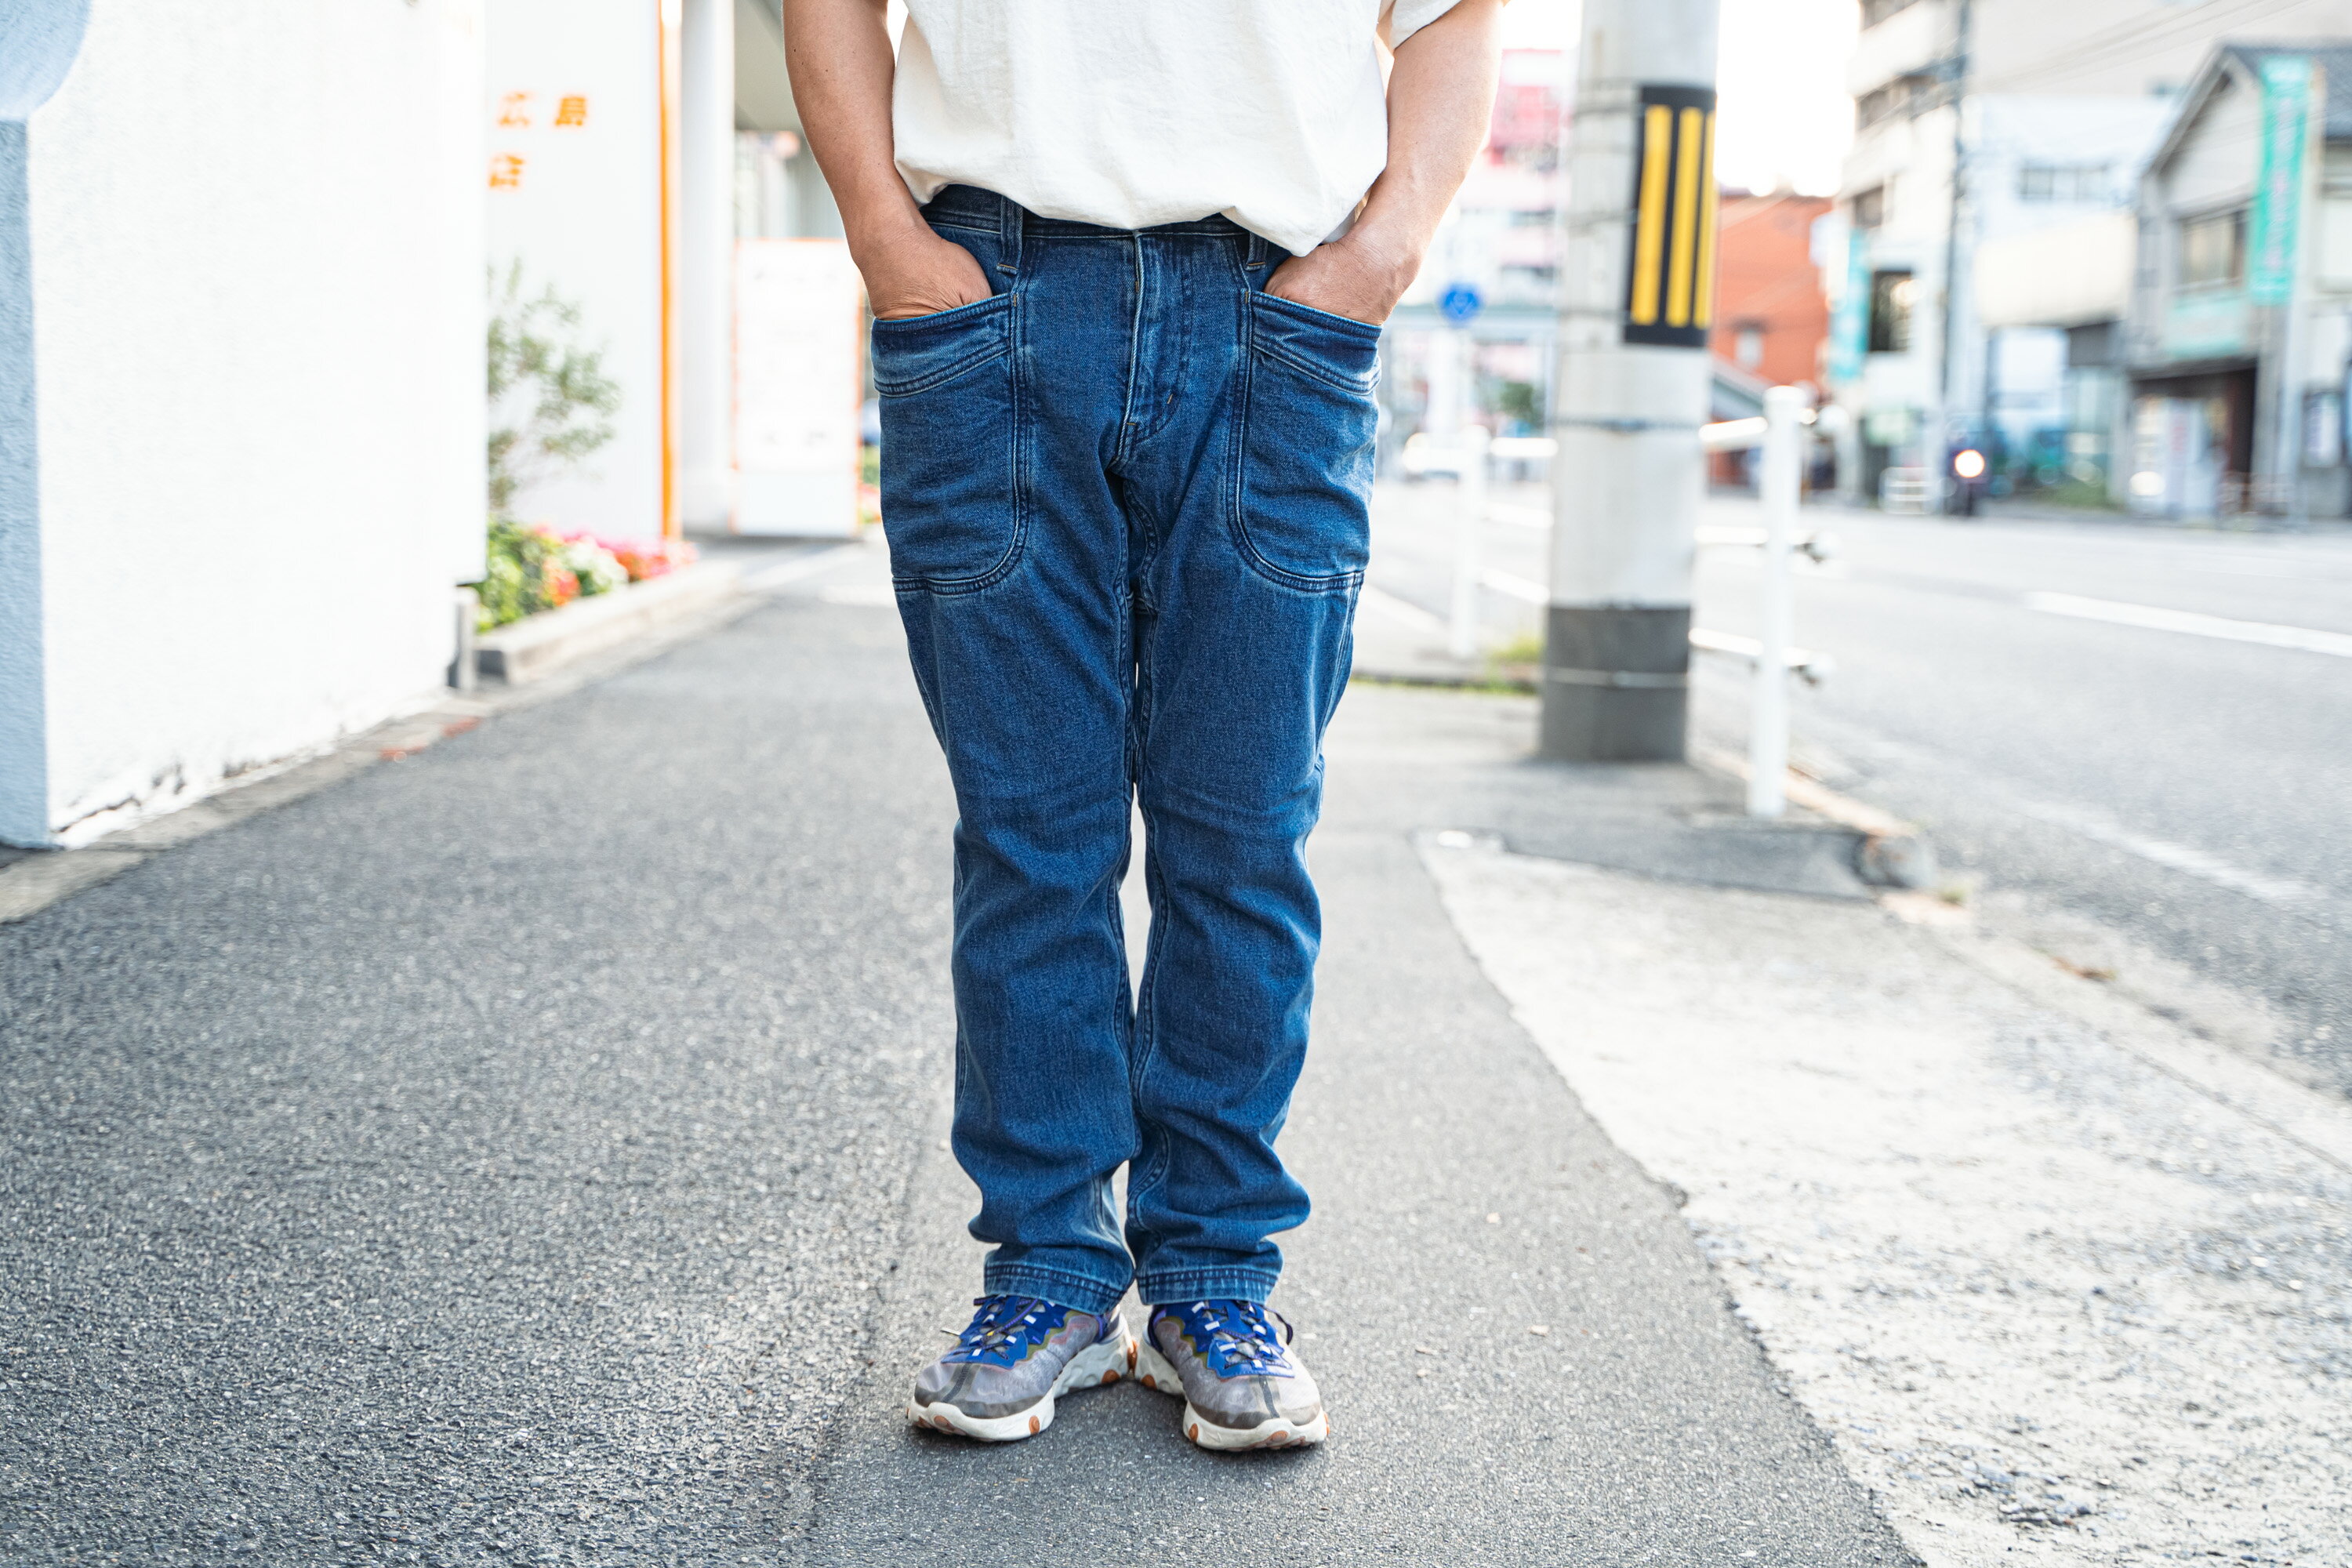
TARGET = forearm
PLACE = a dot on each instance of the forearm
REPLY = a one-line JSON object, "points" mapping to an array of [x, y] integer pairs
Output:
{"points": [[838, 53], [1440, 100]]}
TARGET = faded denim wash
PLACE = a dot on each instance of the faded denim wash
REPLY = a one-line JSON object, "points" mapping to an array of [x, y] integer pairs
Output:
{"points": [[1126, 499]]}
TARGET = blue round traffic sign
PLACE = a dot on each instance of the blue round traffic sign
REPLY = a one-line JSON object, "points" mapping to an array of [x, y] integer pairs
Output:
{"points": [[1460, 302]]}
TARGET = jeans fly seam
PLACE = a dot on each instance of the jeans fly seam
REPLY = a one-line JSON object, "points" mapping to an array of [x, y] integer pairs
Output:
{"points": [[1124, 446]]}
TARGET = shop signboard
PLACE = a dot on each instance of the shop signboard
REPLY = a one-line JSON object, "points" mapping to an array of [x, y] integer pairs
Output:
{"points": [[2273, 236], [796, 388]]}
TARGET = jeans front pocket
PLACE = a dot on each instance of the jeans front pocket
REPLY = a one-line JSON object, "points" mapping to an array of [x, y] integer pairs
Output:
{"points": [[946, 384], [1304, 518]]}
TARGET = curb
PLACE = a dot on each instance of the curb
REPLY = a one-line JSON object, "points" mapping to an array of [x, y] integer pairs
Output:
{"points": [[537, 646], [1893, 853], [559, 665]]}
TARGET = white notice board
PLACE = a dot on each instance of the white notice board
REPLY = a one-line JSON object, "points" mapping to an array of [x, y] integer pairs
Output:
{"points": [[798, 310]]}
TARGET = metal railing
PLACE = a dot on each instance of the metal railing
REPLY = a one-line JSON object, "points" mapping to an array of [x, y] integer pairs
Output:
{"points": [[1780, 432]]}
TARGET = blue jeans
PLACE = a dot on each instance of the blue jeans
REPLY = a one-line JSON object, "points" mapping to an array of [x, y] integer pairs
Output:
{"points": [[1126, 499]]}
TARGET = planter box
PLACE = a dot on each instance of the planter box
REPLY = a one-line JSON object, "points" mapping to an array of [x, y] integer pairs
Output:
{"points": [[537, 646]]}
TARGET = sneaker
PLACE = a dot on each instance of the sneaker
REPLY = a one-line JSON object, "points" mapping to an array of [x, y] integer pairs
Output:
{"points": [[1242, 1385], [1000, 1381]]}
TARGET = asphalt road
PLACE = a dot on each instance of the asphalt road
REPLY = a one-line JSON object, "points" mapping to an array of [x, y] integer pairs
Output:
{"points": [[2162, 801], [529, 1152], [491, 1158]]}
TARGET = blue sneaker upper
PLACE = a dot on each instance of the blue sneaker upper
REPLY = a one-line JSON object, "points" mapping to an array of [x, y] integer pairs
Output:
{"points": [[1231, 1338], [1008, 1329], [1010, 1358], [1242, 1385]]}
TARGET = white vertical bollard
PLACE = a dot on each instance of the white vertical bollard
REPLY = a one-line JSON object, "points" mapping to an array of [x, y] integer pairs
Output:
{"points": [[1469, 538], [1768, 734]]}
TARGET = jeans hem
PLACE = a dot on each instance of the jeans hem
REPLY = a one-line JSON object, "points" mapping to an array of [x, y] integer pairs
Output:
{"points": [[1162, 1289], [1075, 1292]]}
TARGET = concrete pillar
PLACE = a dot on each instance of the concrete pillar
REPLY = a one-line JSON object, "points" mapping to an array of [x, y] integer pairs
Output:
{"points": [[706, 286], [39, 41], [1629, 478], [24, 688]]}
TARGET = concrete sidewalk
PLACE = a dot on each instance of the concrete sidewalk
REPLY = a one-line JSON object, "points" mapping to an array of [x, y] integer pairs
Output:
{"points": [[530, 1150], [1527, 1359], [496, 1157]]}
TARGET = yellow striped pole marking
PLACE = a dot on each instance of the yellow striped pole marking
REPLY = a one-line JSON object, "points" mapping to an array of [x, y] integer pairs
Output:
{"points": [[1703, 308], [1649, 233], [1678, 276]]}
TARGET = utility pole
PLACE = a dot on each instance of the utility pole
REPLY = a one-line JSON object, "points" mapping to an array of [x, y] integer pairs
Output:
{"points": [[1637, 296], [1952, 287]]}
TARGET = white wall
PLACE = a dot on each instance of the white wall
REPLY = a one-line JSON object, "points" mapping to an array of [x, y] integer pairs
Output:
{"points": [[585, 215], [2215, 165], [2008, 133], [2067, 276], [255, 230]]}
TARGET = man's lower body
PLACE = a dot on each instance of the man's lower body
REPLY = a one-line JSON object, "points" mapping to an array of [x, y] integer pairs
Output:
{"points": [[1126, 500]]}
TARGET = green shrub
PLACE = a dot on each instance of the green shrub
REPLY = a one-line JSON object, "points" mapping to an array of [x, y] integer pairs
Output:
{"points": [[549, 398]]}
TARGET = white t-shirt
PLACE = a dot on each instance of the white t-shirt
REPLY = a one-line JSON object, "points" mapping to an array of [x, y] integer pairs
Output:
{"points": [[1135, 112]]}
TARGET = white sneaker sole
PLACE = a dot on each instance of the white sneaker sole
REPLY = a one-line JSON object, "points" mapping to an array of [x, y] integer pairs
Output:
{"points": [[1153, 1371], [1106, 1360]]}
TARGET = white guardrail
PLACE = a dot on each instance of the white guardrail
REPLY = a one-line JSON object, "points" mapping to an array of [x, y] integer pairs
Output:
{"points": [[1780, 432]]}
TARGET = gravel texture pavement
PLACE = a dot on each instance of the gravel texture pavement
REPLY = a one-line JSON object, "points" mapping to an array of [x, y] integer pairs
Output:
{"points": [[2057, 1300], [489, 1159]]}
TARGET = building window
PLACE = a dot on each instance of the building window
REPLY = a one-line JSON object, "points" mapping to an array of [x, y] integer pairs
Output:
{"points": [[1747, 344], [1891, 298], [1869, 207], [1886, 102], [2062, 181], [2212, 249]]}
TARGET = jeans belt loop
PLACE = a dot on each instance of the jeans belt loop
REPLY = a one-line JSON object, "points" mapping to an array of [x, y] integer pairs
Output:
{"points": [[1257, 249], [1009, 217]]}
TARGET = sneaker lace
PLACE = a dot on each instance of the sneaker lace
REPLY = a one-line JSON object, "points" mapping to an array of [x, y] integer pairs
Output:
{"points": [[1242, 1335], [1003, 1325]]}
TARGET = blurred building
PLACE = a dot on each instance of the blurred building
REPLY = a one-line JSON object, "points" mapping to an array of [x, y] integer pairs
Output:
{"points": [[632, 146], [1772, 318], [1498, 251], [241, 423], [2238, 345], [1986, 228]]}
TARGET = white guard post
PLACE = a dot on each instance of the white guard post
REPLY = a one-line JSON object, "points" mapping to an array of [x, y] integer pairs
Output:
{"points": [[1469, 459], [1779, 434], [1768, 735]]}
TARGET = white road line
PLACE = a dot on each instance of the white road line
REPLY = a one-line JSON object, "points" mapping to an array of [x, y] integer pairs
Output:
{"points": [[2106, 830], [1526, 588], [799, 566], [1405, 610], [866, 596], [2149, 615]]}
